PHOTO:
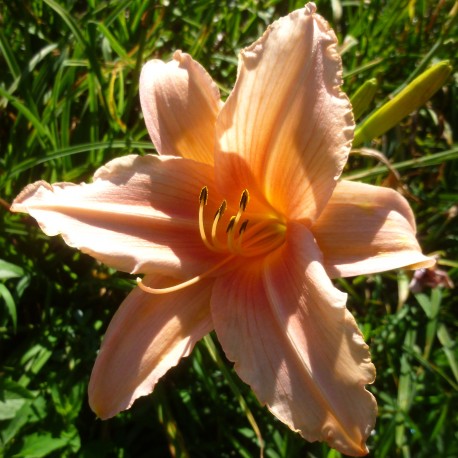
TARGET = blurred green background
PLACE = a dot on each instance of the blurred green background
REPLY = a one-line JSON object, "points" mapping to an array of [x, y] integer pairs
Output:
{"points": [[69, 102]]}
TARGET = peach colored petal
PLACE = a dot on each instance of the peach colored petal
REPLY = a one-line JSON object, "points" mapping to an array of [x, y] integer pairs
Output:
{"points": [[366, 229], [287, 127], [296, 344], [180, 103], [139, 215], [148, 335]]}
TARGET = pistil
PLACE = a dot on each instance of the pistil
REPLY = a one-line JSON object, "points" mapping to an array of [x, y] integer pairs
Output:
{"points": [[185, 284]]}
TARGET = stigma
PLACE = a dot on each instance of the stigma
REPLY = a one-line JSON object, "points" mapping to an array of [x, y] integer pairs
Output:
{"points": [[243, 236]]}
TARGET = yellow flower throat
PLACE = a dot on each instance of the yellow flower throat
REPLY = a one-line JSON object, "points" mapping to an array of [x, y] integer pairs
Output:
{"points": [[245, 238]]}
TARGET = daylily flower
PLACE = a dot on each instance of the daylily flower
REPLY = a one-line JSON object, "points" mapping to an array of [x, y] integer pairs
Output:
{"points": [[238, 226]]}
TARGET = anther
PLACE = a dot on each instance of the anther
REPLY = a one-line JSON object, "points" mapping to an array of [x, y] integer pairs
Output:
{"points": [[243, 227], [238, 244], [244, 199], [230, 226], [219, 213], [203, 196], [221, 210], [259, 237], [235, 220]]}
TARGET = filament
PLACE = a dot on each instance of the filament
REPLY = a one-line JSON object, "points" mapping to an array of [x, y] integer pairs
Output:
{"points": [[203, 198], [233, 222], [185, 284], [219, 213], [261, 237]]}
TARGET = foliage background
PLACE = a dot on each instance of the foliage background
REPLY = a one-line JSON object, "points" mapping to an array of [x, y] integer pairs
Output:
{"points": [[69, 102]]}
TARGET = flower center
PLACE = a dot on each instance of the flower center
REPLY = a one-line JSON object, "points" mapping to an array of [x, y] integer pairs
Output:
{"points": [[251, 237], [246, 238]]}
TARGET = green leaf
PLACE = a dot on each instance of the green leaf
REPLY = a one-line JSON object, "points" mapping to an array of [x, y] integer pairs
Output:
{"points": [[114, 43], [9, 270], [420, 90], [38, 445], [12, 398], [449, 347], [41, 128], [422, 161], [78, 149], [10, 407], [68, 19], [33, 361], [10, 304], [8, 54], [363, 97]]}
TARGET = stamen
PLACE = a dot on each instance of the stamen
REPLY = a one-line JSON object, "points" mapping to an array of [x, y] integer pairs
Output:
{"points": [[221, 210], [230, 225], [242, 229], [234, 221], [261, 241], [244, 199], [219, 213], [184, 284], [261, 237], [203, 198]]}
